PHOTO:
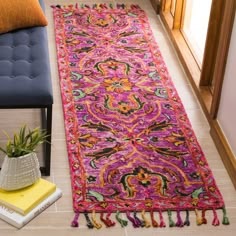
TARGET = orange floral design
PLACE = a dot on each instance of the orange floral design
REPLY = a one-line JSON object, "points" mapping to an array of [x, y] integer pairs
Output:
{"points": [[101, 22], [124, 107], [195, 201], [212, 189], [104, 204], [118, 85]]}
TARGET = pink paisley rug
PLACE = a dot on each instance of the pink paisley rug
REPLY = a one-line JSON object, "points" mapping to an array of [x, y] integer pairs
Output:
{"points": [[130, 145]]}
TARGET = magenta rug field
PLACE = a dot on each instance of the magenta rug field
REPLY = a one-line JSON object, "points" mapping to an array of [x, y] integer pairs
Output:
{"points": [[131, 147]]}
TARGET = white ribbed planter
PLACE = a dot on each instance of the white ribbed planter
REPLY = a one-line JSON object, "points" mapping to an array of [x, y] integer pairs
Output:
{"points": [[19, 172]]}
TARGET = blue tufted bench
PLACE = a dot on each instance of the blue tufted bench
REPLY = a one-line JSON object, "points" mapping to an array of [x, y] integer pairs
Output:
{"points": [[25, 80]]}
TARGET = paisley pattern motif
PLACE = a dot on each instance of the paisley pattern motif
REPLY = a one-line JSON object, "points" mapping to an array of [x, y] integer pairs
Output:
{"points": [[130, 143]]}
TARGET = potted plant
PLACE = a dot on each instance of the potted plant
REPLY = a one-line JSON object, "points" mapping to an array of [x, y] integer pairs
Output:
{"points": [[20, 167]]}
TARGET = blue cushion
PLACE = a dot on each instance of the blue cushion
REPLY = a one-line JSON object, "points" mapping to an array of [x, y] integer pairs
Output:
{"points": [[25, 78]]}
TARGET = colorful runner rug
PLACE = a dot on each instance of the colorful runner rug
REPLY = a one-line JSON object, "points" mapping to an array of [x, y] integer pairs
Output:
{"points": [[130, 144]]}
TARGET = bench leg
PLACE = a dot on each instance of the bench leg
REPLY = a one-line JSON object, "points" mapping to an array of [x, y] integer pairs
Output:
{"points": [[47, 125]]}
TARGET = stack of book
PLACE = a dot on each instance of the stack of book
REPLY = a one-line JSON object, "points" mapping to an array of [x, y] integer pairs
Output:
{"points": [[21, 206]]}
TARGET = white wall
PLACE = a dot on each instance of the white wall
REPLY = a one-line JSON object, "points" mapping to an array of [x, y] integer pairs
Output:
{"points": [[227, 109]]}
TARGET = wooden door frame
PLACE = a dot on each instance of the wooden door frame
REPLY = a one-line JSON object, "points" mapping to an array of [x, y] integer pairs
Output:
{"points": [[215, 56], [213, 69], [222, 54], [217, 45]]}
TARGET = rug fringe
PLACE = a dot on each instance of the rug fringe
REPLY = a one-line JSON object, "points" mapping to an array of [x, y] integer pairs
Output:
{"points": [[162, 222], [154, 222], [215, 221], [179, 222], [225, 220], [198, 218], [204, 220], [141, 222], [187, 222], [134, 222], [101, 6], [96, 224], [107, 221], [75, 222], [89, 223], [122, 222], [148, 221], [171, 222]]}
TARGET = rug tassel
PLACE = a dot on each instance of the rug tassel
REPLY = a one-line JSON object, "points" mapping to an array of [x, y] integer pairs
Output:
{"points": [[215, 221], [103, 5], [120, 6], [204, 220], [225, 220], [139, 221], [111, 5], [75, 222], [111, 221], [147, 224], [198, 218], [108, 222], [132, 220], [171, 222], [135, 6], [154, 222], [104, 220], [122, 222], [187, 222], [179, 222], [162, 222], [89, 223], [94, 221], [132, 6]]}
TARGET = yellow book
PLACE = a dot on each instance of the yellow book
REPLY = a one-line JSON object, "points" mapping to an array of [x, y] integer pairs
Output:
{"points": [[24, 200]]}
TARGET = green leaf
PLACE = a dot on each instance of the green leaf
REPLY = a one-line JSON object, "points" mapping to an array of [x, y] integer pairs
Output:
{"points": [[24, 142]]}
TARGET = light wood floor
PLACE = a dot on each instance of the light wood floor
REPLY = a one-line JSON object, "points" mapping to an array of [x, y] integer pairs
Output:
{"points": [[56, 219]]}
